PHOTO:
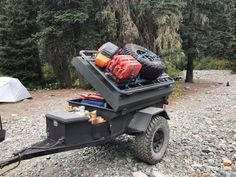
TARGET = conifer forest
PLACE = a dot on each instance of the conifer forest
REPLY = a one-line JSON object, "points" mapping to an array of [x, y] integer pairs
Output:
{"points": [[38, 39]]}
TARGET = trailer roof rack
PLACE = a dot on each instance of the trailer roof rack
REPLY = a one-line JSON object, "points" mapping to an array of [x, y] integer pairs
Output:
{"points": [[121, 97]]}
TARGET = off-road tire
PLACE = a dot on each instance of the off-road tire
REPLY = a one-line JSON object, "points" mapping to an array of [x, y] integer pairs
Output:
{"points": [[151, 68], [143, 146]]}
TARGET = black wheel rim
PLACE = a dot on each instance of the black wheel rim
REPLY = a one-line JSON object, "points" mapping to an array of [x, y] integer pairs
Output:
{"points": [[158, 140]]}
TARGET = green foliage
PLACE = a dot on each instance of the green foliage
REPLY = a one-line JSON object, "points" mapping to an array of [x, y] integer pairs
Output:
{"points": [[233, 44], [175, 62], [48, 73], [172, 70], [233, 67], [76, 83], [219, 38], [177, 90], [66, 28], [176, 58], [18, 50], [212, 63], [207, 29], [57, 30], [70, 16], [162, 5], [211, 27]]}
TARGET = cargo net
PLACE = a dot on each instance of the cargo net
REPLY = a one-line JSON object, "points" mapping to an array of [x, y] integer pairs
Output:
{"points": [[146, 54]]}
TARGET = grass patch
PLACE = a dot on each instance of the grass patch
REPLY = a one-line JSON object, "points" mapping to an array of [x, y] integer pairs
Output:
{"points": [[172, 70], [177, 90]]}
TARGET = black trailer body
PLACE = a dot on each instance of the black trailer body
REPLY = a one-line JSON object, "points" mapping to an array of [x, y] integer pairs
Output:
{"points": [[75, 129], [136, 109]]}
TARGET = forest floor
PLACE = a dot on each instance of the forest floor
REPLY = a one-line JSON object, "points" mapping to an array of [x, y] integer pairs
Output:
{"points": [[202, 137]]}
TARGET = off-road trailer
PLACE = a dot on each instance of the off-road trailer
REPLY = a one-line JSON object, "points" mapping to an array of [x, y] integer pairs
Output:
{"points": [[134, 109]]}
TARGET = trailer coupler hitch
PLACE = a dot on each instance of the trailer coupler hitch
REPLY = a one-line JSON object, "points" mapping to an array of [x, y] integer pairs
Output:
{"points": [[12, 160], [45, 147]]}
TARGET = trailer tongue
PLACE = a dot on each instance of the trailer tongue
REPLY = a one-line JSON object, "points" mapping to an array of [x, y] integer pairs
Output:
{"points": [[134, 108]]}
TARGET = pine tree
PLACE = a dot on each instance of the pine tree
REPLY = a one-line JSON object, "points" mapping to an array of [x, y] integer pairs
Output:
{"points": [[206, 30], [18, 50], [216, 40], [233, 20], [174, 6], [66, 27], [189, 36]]}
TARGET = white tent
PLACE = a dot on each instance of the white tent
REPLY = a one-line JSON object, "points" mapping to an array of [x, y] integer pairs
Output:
{"points": [[12, 90]]}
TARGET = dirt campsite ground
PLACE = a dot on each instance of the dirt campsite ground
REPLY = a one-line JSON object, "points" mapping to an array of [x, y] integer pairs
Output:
{"points": [[202, 124]]}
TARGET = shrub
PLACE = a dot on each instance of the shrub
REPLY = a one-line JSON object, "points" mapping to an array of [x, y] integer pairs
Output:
{"points": [[175, 62], [172, 70], [48, 74], [212, 63], [177, 90], [76, 83]]}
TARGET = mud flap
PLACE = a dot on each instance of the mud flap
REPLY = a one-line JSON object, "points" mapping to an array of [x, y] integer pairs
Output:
{"points": [[142, 118]]}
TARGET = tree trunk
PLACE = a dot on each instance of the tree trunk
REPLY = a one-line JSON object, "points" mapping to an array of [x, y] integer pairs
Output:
{"points": [[38, 69], [63, 75], [60, 65], [189, 72], [67, 78], [82, 82], [191, 45]]}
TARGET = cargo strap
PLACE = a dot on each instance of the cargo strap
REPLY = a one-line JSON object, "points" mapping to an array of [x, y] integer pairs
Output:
{"points": [[146, 55], [140, 57], [132, 73]]}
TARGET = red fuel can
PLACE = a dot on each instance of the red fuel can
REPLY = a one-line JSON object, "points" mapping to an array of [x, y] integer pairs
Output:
{"points": [[124, 68]]}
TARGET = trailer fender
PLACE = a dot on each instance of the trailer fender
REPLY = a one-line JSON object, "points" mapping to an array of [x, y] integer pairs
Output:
{"points": [[142, 118]]}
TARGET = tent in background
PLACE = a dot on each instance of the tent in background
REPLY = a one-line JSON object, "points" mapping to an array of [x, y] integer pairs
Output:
{"points": [[12, 90]]}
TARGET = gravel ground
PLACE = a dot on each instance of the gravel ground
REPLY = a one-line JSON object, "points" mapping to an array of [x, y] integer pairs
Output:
{"points": [[203, 136]]}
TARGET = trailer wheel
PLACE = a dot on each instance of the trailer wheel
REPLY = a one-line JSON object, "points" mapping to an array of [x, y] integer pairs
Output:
{"points": [[151, 146], [152, 66]]}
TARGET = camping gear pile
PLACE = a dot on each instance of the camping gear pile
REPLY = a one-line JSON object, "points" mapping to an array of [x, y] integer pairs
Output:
{"points": [[80, 111], [128, 69], [95, 99], [128, 64]]}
